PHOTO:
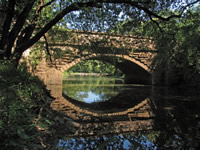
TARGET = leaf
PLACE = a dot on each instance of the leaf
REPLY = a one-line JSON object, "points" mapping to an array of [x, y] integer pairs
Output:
{"points": [[47, 121], [35, 146]]}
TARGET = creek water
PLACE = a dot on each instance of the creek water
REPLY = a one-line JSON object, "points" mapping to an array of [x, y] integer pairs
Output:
{"points": [[109, 114], [91, 89]]}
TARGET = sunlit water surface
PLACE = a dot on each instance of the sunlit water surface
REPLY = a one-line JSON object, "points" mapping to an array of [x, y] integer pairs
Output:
{"points": [[165, 118]]}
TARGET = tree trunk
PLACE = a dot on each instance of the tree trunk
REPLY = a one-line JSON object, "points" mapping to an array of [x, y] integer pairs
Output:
{"points": [[16, 57]]}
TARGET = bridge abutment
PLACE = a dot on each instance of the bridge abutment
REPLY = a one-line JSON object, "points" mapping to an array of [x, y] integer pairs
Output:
{"points": [[41, 70], [51, 77], [54, 82]]}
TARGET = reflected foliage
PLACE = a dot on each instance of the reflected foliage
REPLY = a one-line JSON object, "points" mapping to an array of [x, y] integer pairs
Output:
{"points": [[175, 126], [78, 87], [177, 119], [129, 141], [103, 93]]}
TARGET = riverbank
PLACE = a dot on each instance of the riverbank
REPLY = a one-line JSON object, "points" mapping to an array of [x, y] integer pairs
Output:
{"points": [[26, 119], [87, 74], [65, 75]]}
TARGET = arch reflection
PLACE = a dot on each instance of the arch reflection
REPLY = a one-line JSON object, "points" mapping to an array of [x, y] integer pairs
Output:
{"points": [[136, 113], [128, 112]]}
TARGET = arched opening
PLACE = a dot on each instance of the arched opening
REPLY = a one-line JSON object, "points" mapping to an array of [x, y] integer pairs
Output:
{"points": [[93, 81], [133, 70], [134, 74], [95, 67]]}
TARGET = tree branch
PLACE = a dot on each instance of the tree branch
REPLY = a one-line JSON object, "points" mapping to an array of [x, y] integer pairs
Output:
{"points": [[25, 34], [188, 5], [40, 7], [93, 3], [140, 6], [157, 24], [47, 47], [45, 5], [169, 17], [19, 24], [57, 18], [161, 29], [7, 23]]}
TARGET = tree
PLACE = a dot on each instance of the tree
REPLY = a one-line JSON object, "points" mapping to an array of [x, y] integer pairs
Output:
{"points": [[185, 60], [95, 66], [178, 60], [29, 20]]}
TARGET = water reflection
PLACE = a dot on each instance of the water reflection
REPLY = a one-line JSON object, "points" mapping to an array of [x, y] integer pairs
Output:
{"points": [[137, 118], [177, 118], [92, 88], [103, 130], [116, 142], [103, 93]]}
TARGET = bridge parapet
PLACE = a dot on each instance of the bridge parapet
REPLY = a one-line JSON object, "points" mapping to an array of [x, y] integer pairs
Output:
{"points": [[103, 40]]}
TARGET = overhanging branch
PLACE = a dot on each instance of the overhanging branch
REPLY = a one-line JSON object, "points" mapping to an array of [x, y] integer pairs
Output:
{"points": [[45, 5], [47, 47], [140, 5], [57, 18], [96, 3]]}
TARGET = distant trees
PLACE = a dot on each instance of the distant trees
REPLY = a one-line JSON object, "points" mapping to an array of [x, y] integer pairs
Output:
{"points": [[95, 66]]}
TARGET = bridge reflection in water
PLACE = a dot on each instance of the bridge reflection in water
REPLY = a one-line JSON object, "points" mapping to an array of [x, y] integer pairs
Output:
{"points": [[98, 124], [94, 123]]}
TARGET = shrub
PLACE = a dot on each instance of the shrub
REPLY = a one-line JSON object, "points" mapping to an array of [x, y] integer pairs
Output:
{"points": [[21, 98]]}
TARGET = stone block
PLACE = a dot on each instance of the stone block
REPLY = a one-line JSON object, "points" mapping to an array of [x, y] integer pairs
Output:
{"points": [[53, 76]]}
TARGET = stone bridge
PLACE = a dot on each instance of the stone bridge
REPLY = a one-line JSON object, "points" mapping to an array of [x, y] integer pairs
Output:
{"points": [[133, 55]]}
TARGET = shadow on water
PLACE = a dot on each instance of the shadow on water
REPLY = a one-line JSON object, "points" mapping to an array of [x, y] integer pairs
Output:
{"points": [[139, 117], [177, 117]]}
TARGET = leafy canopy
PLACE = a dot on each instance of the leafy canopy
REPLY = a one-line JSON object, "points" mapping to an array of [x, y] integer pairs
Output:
{"points": [[27, 21]]}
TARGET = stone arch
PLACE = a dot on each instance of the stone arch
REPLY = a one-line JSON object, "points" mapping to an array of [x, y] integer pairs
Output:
{"points": [[135, 71], [141, 76], [125, 57]]}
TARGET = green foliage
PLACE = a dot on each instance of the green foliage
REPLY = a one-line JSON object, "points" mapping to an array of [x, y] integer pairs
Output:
{"points": [[178, 60], [21, 98], [183, 61], [95, 66], [187, 53], [28, 21]]}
